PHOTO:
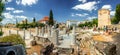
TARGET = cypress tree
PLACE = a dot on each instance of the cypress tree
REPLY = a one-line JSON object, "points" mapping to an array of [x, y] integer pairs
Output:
{"points": [[26, 23], [51, 21], [34, 20]]}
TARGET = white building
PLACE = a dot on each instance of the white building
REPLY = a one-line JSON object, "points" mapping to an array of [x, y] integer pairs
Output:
{"points": [[70, 23]]}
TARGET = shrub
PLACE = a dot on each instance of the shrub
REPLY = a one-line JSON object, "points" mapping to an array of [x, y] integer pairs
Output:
{"points": [[13, 38], [1, 33]]}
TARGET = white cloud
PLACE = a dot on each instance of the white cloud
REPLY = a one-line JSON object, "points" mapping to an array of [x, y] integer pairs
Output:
{"points": [[6, 1], [82, 15], [26, 2], [10, 8], [18, 1], [23, 17], [92, 17], [8, 15], [5, 21], [107, 7], [14, 10], [72, 14], [9, 0], [89, 6], [2, 1], [112, 13], [9, 18], [83, 1], [18, 11]]}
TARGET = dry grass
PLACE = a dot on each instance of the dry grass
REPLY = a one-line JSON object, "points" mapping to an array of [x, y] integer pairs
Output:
{"points": [[33, 49], [104, 37]]}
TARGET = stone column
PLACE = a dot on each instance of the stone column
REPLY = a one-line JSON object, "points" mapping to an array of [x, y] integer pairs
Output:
{"points": [[30, 32], [24, 34], [73, 31], [17, 32], [73, 39], [57, 34], [73, 36], [43, 31], [54, 35], [37, 31], [9, 32], [52, 31], [64, 31], [40, 32], [48, 31]]}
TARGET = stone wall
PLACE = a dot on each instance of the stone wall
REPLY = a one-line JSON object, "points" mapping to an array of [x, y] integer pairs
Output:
{"points": [[103, 18]]}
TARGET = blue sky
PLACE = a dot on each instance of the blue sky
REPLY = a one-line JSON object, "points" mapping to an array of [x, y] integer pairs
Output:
{"points": [[62, 9]]}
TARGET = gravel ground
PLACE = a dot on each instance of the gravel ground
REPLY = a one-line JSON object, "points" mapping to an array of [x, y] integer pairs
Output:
{"points": [[34, 50], [117, 42]]}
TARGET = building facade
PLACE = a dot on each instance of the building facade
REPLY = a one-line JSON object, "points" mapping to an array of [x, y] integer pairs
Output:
{"points": [[44, 20], [70, 23], [103, 18]]}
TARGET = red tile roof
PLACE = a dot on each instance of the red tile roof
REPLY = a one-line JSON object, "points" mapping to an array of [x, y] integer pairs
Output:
{"points": [[46, 18]]}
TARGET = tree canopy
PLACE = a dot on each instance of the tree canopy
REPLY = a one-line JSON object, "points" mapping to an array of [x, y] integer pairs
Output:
{"points": [[92, 23], [117, 13], [115, 19], [1, 10], [34, 20]]}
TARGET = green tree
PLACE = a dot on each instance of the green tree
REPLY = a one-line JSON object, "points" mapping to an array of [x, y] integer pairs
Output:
{"points": [[34, 23], [114, 20], [17, 23], [51, 21], [26, 23], [92, 23], [1, 10], [23, 24], [1, 7], [117, 13], [34, 20], [95, 22], [41, 24]]}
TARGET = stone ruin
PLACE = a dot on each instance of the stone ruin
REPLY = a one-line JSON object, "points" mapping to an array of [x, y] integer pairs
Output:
{"points": [[106, 48]]}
